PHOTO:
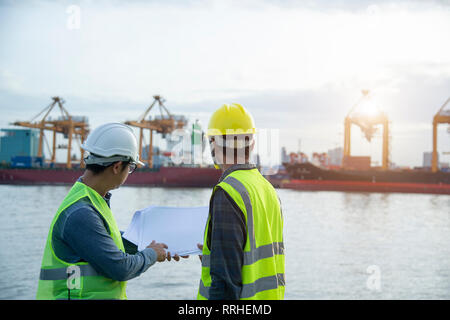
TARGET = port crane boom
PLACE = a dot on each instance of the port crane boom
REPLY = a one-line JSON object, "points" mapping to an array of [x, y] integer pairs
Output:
{"points": [[442, 116], [164, 124], [71, 127], [367, 120]]}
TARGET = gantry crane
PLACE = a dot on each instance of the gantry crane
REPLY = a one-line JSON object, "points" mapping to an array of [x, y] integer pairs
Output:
{"points": [[442, 116], [367, 122], [71, 127], [165, 124]]}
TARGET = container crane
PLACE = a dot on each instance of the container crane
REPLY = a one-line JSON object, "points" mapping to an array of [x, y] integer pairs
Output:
{"points": [[442, 116], [164, 124], [366, 115], [71, 127]]}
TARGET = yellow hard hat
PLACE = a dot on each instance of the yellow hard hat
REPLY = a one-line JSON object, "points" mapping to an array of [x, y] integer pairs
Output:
{"points": [[231, 119]]}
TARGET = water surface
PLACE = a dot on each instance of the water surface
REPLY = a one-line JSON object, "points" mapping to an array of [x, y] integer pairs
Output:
{"points": [[338, 245]]}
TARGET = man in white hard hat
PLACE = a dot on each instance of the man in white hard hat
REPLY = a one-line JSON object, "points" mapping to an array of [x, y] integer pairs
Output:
{"points": [[85, 255]]}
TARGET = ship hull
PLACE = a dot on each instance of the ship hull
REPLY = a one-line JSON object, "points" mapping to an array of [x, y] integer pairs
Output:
{"points": [[163, 177], [308, 177], [358, 186]]}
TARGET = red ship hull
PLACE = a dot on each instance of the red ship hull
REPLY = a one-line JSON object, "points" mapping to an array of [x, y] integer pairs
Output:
{"points": [[164, 177], [362, 186], [208, 177]]}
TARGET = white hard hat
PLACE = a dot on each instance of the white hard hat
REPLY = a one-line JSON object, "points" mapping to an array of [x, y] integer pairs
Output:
{"points": [[111, 142]]}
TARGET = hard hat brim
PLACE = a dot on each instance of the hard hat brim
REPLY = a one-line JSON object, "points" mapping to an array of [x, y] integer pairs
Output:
{"points": [[219, 132]]}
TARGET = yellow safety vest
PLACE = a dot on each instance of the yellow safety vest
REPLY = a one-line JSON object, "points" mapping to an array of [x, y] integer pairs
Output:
{"points": [[62, 280], [263, 275]]}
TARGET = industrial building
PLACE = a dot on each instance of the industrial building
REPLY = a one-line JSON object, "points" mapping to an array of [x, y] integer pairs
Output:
{"points": [[18, 144]]}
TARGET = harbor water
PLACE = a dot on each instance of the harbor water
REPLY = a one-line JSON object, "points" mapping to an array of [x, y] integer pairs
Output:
{"points": [[338, 245]]}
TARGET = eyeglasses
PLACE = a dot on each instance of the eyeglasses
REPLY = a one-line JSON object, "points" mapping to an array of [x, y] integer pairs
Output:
{"points": [[131, 167]]}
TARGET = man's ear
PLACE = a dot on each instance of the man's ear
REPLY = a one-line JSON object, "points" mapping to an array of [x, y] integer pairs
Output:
{"points": [[117, 167], [212, 147]]}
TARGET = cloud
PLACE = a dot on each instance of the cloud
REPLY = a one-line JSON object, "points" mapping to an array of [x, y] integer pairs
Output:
{"points": [[298, 66], [216, 50]]}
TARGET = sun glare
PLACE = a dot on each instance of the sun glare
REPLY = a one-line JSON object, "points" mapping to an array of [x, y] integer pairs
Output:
{"points": [[369, 108]]}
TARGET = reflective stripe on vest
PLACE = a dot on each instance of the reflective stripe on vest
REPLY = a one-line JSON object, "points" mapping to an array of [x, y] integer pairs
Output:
{"points": [[63, 273], [250, 289], [272, 282], [266, 251]]}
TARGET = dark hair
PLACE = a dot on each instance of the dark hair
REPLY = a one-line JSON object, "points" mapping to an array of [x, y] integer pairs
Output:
{"points": [[97, 169], [234, 151]]}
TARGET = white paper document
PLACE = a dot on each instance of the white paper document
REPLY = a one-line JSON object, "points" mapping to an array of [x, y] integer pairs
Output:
{"points": [[180, 228]]}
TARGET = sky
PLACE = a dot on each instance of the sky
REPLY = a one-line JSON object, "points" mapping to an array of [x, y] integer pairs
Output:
{"points": [[297, 66]]}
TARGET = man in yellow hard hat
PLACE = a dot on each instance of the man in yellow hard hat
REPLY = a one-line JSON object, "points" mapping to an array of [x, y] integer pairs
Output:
{"points": [[243, 250]]}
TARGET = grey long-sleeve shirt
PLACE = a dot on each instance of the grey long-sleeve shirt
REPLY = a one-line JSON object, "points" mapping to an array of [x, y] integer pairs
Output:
{"points": [[80, 234]]}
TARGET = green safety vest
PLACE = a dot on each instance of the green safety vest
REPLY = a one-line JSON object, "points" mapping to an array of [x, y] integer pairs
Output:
{"points": [[263, 267], [62, 280]]}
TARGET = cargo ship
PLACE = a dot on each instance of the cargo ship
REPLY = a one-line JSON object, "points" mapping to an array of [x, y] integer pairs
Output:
{"points": [[33, 170], [308, 177], [28, 169], [355, 173], [22, 158]]}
